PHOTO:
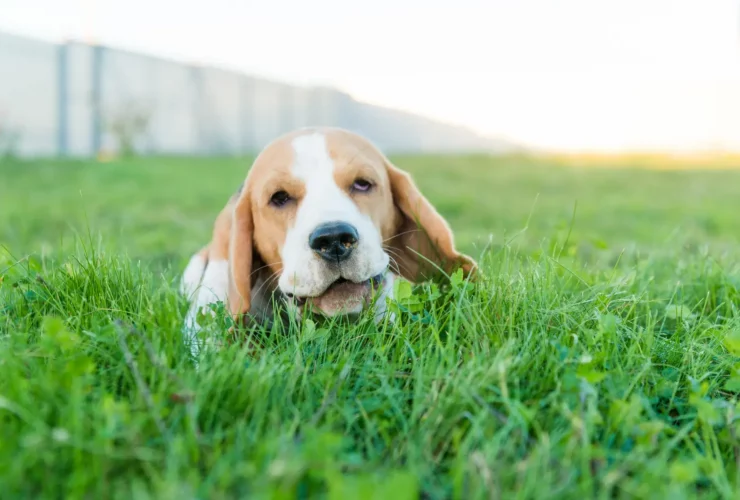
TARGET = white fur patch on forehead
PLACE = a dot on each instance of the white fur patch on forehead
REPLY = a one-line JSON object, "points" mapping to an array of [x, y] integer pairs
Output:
{"points": [[324, 200], [311, 156]]}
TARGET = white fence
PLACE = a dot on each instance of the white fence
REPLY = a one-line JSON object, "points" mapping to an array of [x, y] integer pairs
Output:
{"points": [[80, 100]]}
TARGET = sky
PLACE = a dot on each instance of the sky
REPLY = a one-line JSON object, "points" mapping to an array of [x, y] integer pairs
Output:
{"points": [[566, 75]]}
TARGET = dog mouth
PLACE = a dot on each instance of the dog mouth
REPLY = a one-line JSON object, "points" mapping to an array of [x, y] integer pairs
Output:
{"points": [[342, 287]]}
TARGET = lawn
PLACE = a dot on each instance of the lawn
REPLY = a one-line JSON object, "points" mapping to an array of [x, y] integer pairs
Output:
{"points": [[597, 357]]}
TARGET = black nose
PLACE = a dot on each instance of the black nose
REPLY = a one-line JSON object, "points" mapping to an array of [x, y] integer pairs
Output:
{"points": [[334, 241]]}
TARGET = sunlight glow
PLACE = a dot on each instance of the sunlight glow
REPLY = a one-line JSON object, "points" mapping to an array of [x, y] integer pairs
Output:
{"points": [[575, 75]]}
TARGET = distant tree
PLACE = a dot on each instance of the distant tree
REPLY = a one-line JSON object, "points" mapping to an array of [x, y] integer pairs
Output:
{"points": [[130, 122]]}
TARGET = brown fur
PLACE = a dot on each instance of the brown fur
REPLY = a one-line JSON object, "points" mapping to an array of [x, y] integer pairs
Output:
{"points": [[250, 233]]}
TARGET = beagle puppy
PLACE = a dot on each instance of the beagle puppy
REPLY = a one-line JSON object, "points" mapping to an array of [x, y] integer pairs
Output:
{"points": [[324, 223]]}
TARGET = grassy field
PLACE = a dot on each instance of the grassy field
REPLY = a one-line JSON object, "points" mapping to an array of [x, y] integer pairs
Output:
{"points": [[598, 357]]}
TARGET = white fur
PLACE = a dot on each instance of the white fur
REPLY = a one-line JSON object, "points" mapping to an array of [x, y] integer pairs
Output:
{"points": [[192, 275], [304, 273], [385, 294], [213, 288]]}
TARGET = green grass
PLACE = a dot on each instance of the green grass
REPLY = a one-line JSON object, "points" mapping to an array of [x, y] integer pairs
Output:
{"points": [[597, 358]]}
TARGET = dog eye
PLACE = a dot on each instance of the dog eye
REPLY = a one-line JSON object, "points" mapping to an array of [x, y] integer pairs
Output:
{"points": [[280, 198], [362, 186]]}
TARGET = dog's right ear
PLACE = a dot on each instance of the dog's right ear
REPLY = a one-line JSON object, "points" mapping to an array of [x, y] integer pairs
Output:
{"points": [[241, 254]]}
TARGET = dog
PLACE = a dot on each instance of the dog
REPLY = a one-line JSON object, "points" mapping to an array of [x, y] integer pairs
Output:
{"points": [[323, 223]]}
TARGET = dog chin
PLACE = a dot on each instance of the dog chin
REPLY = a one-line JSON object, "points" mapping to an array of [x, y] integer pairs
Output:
{"points": [[341, 298]]}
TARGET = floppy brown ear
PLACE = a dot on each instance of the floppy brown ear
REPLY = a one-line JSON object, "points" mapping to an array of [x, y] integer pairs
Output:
{"points": [[423, 242], [241, 255]]}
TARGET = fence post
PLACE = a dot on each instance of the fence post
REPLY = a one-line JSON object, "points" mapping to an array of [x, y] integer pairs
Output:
{"points": [[62, 99], [97, 98], [198, 106]]}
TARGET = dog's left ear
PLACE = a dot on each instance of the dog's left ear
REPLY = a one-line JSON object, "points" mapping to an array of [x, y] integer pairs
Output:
{"points": [[422, 243]]}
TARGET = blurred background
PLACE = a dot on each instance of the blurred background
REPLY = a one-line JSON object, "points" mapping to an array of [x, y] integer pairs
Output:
{"points": [[81, 77], [510, 114]]}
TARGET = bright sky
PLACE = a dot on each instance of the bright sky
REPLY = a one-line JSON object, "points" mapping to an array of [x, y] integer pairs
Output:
{"points": [[565, 74]]}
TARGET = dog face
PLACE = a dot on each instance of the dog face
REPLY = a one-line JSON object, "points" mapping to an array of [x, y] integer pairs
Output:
{"points": [[332, 220]]}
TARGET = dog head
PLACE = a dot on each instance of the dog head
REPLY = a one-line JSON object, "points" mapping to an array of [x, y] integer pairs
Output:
{"points": [[331, 220]]}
